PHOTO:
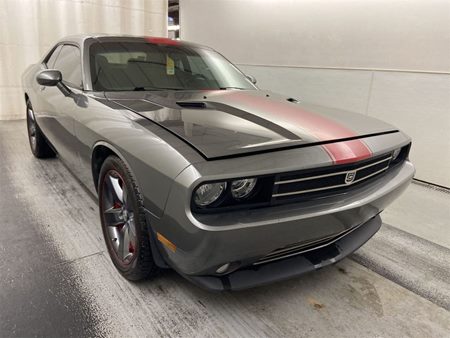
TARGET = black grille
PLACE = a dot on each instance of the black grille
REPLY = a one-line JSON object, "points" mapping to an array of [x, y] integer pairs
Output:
{"points": [[302, 247], [335, 179]]}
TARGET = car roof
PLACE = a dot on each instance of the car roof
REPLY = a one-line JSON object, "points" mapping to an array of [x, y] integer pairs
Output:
{"points": [[80, 39]]}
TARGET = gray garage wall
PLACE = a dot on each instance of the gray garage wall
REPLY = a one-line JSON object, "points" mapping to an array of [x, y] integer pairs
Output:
{"points": [[28, 28], [387, 59]]}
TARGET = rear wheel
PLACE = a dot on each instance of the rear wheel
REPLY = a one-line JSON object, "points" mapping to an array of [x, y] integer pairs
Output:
{"points": [[123, 221], [38, 143]]}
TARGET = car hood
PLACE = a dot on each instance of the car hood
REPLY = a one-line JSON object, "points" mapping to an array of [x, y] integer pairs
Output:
{"points": [[227, 123]]}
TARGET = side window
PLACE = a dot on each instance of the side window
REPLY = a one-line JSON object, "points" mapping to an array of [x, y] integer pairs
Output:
{"points": [[51, 60], [69, 64]]}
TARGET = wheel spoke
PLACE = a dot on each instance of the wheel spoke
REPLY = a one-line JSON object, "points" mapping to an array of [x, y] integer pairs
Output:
{"points": [[131, 225], [31, 128], [117, 189], [118, 217], [30, 113], [125, 242], [114, 236], [113, 217], [121, 240], [124, 197]]}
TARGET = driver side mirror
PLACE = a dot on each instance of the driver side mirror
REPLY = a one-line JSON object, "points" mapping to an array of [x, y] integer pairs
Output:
{"points": [[251, 78], [49, 77], [52, 78]]}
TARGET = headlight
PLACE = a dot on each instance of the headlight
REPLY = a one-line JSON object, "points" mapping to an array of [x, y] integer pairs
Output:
{"points": [[242, 188], [395, 153], [232, 194], [209, 193]]}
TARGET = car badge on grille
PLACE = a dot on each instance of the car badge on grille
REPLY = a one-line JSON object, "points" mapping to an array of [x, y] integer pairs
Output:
{"points": [[350, 177]]}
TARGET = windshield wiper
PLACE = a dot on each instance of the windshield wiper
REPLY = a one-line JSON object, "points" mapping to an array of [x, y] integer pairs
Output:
{"points": [[141, 89], [225, 88]]}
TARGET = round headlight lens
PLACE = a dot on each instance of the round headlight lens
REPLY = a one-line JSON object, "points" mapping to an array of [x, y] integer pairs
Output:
{"points": [[242, 188], [209, 193], [395, 153]]}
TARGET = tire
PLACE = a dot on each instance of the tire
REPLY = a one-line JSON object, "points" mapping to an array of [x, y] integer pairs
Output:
{"points": [[123, 221], [38, 143]]}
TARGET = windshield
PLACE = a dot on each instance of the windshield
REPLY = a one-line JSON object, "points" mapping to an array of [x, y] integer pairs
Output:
{"points": [[124, 66]]}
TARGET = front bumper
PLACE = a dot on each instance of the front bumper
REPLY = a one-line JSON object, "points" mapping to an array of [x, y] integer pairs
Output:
{"points": [[205, 242], [258, 275]]}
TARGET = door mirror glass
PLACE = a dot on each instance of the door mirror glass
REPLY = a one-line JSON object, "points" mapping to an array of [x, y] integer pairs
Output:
{"points": [[251, 78], [49, 77]]}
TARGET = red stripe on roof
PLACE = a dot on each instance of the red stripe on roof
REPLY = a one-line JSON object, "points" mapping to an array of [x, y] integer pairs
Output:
{"points": [[320, 127], [162, 41]]}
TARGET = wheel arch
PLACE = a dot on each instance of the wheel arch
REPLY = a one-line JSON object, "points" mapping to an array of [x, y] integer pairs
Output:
{"points": [[100, 152]]}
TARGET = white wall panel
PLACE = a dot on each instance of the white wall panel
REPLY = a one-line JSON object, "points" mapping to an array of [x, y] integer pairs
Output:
{"points": [[28, 29], [381, 34], [420, 104], [312, 49]]}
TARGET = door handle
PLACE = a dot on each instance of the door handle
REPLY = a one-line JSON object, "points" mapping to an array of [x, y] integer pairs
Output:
{"points": [[42, 88]]}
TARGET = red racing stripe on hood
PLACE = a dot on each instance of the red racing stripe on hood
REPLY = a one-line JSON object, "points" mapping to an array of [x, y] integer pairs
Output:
{"points": [[320, 127]]}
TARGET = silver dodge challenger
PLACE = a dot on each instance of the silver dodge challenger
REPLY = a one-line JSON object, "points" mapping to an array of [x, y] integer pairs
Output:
{"points": [[198, 170]]}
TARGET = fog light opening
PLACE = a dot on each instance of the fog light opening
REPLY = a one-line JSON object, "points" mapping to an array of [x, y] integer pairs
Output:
{"points": [[228, 268], [223, 268]]}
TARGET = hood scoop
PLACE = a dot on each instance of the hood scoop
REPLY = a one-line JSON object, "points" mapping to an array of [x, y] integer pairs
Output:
{"points": [[291, 99], [192, 104]]}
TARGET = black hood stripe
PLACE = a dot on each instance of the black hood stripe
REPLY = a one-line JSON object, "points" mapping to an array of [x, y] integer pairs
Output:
{"points": [[254, 119]]}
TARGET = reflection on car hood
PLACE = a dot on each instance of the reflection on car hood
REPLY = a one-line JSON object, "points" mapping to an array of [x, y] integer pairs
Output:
{"points": [[224, 123]]}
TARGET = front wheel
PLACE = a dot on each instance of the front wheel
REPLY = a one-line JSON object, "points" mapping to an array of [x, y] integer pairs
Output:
{"points": [[123, 221]]}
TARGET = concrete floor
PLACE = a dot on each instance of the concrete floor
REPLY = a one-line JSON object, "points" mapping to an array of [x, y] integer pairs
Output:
{"points": [[57, 280]]}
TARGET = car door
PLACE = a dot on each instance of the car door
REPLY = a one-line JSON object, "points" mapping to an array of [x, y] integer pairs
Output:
{"points": [[57, 109]]}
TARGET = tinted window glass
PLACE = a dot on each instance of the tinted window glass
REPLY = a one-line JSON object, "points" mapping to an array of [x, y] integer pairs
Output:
{"points": [[51, 60], [146, 66], [69, 64]]}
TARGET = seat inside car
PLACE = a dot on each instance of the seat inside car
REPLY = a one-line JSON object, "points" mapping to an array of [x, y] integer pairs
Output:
{"points": [[112, 75], [151, 71]]}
